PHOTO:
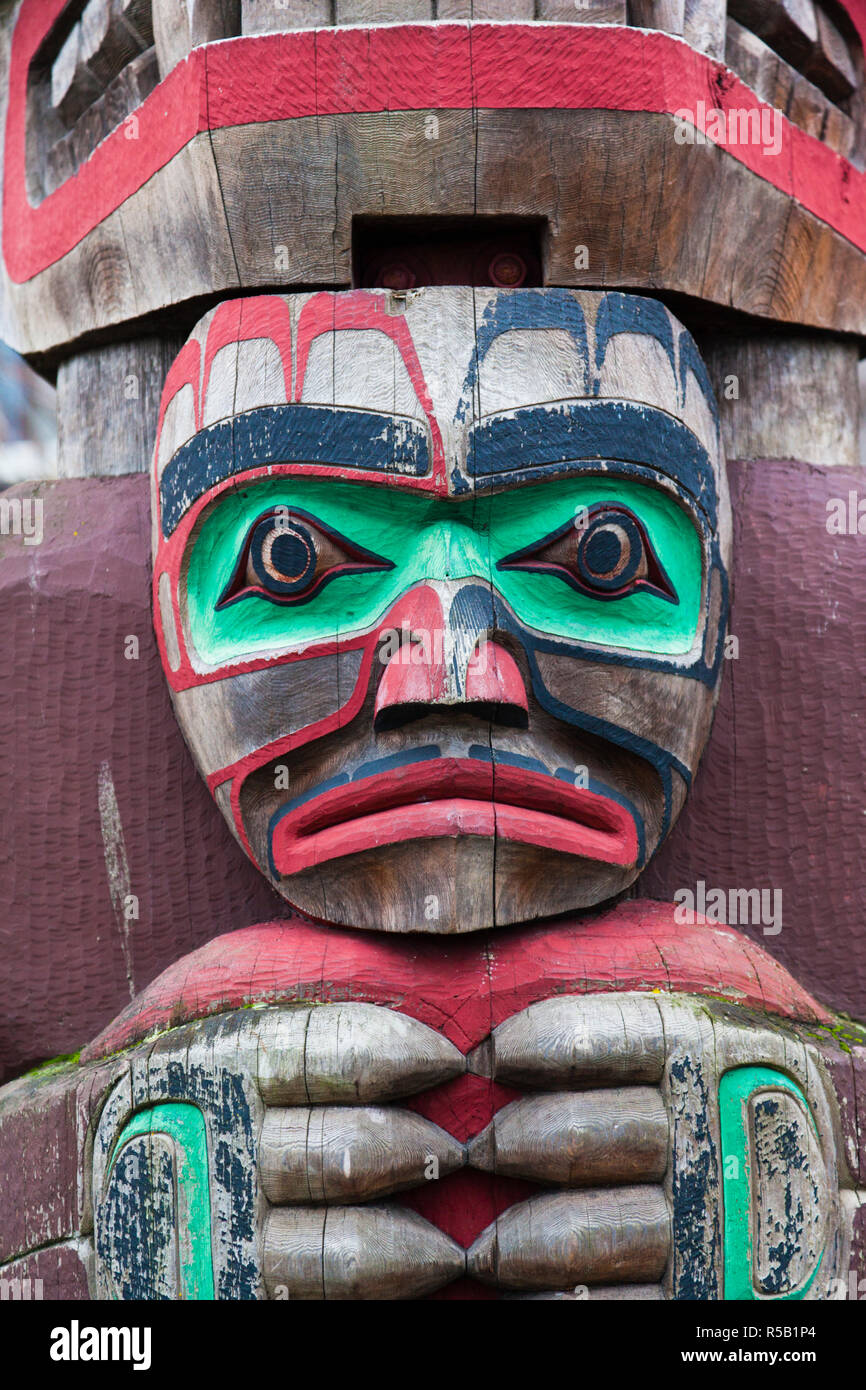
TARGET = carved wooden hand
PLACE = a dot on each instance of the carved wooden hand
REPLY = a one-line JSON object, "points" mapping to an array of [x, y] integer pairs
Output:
{"points": [[634, 1115]]}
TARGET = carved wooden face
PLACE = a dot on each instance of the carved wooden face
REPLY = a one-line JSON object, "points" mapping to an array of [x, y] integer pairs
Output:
{"points": [[440, 589]]}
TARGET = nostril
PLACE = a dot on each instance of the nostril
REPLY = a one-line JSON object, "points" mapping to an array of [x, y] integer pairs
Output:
{"points": [[395, 716], [508, 716]]}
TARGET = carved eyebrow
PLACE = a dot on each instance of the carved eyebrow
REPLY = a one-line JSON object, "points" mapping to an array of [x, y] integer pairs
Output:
{"points": [[539, 438], [318, 434]]}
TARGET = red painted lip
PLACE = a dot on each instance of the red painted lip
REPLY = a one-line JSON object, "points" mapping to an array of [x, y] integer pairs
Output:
{"points": [[451, 797]]}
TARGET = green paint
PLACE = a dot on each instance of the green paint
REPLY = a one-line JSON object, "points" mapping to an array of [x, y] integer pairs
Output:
{"points": [[735, 1088], [185, 1125], [441, 538]]}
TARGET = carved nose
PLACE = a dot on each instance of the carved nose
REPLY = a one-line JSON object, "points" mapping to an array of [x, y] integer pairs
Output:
{"points": [[415, 684]]}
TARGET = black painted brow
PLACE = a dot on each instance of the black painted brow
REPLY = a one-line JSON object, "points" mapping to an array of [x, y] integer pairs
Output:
{"points": [[544, 436], [290, 433]]}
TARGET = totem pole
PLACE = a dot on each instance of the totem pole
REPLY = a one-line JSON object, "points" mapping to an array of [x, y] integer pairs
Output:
{"points": [[457, 400]]}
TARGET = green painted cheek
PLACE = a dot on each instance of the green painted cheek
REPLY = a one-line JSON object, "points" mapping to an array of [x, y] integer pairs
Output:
{"points": [[439, 539]]}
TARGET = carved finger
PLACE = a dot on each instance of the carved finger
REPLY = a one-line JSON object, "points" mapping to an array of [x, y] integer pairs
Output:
{"points": [[580, 1139], [580, 1041], [350, 1154], [602, 1236], [356, 1253], [612, 1293], [350, 1054]]}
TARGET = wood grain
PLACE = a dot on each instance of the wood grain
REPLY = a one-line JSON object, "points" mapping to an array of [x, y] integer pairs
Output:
{"points": [[797, 398], [777, 260], [582, 1140], [370, 1252], [180, 25], [614, 1293], [668, 15], [351, 1053], [596, 1237], [107, 407], [704, 26], [271, 16], [381, 11], [780, 84], [350, 1153], [574, 1042]]}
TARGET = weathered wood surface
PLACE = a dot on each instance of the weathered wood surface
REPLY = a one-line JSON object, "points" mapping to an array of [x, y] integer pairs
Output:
{"points": [[39, 1189], [269, 16], [704, 26], [616, 1293], [615, 1136], [98, 237], [351, 1053], [58, 1274], [733, 832], [791, 1205], [788, 398], [804, 34], [846, 1065], [377, 350], [181, 25], [342, 1154], [783, 87], [323, 1163], [108, 405], [367, 1252], [561, 1042], [450, 986], [596, 1237]]}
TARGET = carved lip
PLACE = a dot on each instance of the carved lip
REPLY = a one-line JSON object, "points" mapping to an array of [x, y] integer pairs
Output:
{"points": [[448, 797]]}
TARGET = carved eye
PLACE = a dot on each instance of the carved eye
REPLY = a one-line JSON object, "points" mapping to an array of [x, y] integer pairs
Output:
{"points": [[604, 551], [288, 557]]}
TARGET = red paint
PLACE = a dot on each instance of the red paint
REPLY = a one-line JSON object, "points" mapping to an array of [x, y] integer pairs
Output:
{"points": [[331, 312], [462, 986], [409, 682], [288, 76], [464, 1105], [454, 797], [415, 674], [464, 1203], [239, 320], [493, 676]]}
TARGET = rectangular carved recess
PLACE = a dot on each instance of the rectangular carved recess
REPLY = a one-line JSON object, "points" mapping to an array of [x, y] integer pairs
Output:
{"points": [[402, 253], [805, 58], [95, 67]]}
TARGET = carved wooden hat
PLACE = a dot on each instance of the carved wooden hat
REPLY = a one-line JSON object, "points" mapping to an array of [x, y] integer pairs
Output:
{"points": [[147, 166]]}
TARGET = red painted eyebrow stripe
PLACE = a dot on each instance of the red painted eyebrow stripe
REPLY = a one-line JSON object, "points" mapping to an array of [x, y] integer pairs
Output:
{"points": [[239, 320], [396, 68], [334, 312]]}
